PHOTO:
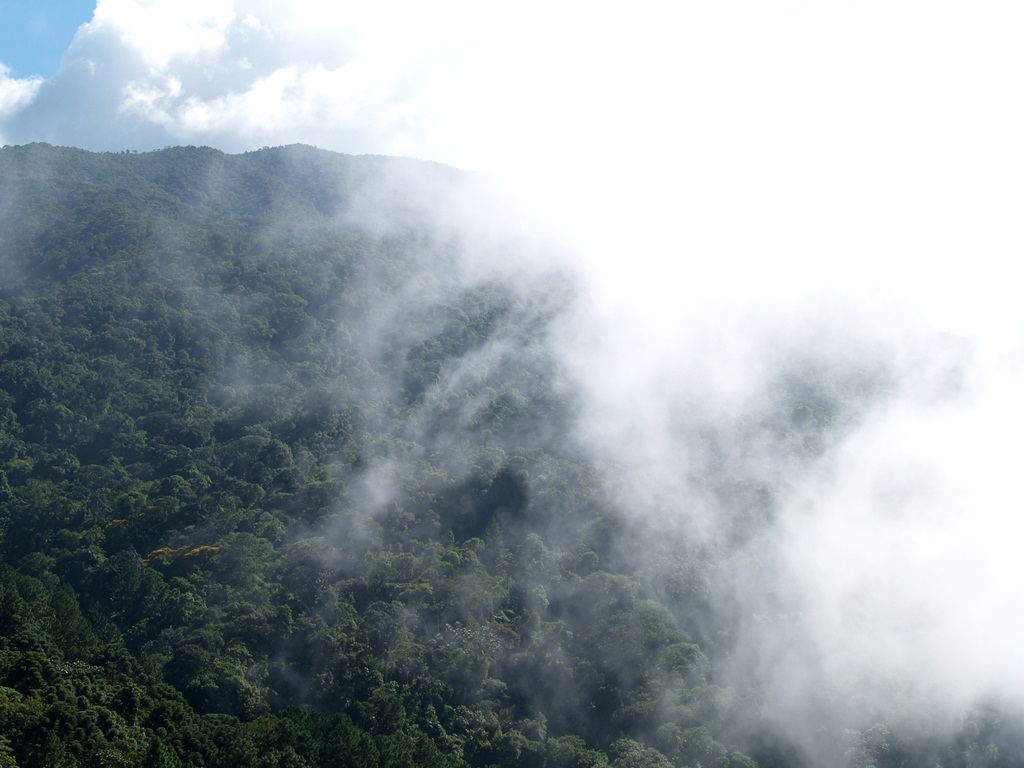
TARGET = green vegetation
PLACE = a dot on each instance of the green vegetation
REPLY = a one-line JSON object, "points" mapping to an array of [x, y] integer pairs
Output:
{"points": [[278, 488]]}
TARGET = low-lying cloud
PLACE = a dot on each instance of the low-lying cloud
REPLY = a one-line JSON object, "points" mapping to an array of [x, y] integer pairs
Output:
{"points": [[746, 189]]}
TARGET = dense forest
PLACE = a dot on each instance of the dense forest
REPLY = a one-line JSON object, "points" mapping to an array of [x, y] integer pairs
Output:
{"points": [[283, 483]]}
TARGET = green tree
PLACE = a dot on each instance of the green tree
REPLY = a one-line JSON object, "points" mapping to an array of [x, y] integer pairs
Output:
{"points": [[160, 755], [632, 754], [7, 754], [54, 754]]}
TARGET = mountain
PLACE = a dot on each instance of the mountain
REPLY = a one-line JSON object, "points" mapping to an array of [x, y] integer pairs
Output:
{"points": [[286, 480]]}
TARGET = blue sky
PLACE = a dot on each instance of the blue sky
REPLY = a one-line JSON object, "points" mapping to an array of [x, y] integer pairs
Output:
{"points": [[34, 35]]}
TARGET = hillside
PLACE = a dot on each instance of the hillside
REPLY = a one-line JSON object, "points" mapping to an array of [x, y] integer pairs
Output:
{"points": [[283, 483]]}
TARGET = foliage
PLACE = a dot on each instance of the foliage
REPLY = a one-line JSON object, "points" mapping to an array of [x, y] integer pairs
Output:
{"points": [[279, 487]]}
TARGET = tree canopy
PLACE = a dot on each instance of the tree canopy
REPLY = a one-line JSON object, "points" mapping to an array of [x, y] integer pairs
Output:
{"points": [[281, 486]]}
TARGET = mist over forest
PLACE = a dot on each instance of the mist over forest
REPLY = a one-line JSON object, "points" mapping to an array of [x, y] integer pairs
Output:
{"points": [[309, 459]]}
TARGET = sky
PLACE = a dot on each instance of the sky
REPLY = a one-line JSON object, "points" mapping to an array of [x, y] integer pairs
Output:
{"points": [[851, 171], [785, 146], [34, 35]]}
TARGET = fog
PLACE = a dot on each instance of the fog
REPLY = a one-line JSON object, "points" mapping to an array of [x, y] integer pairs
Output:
{"points": [[848, 452], [743, 193]]}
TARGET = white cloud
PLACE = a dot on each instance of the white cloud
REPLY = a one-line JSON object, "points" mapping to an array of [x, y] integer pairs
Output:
{"points": [[161, 32], [243, 74], [15, 93]]}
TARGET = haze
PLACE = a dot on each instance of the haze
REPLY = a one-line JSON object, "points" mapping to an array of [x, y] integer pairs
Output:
{"points": [[736, 183]]}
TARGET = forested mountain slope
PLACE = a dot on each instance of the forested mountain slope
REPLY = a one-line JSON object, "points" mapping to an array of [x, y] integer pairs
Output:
{"points": [[282, 485]]}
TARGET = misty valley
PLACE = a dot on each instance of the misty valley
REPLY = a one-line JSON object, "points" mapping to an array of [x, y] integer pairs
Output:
{"points": [[296, 471]]}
